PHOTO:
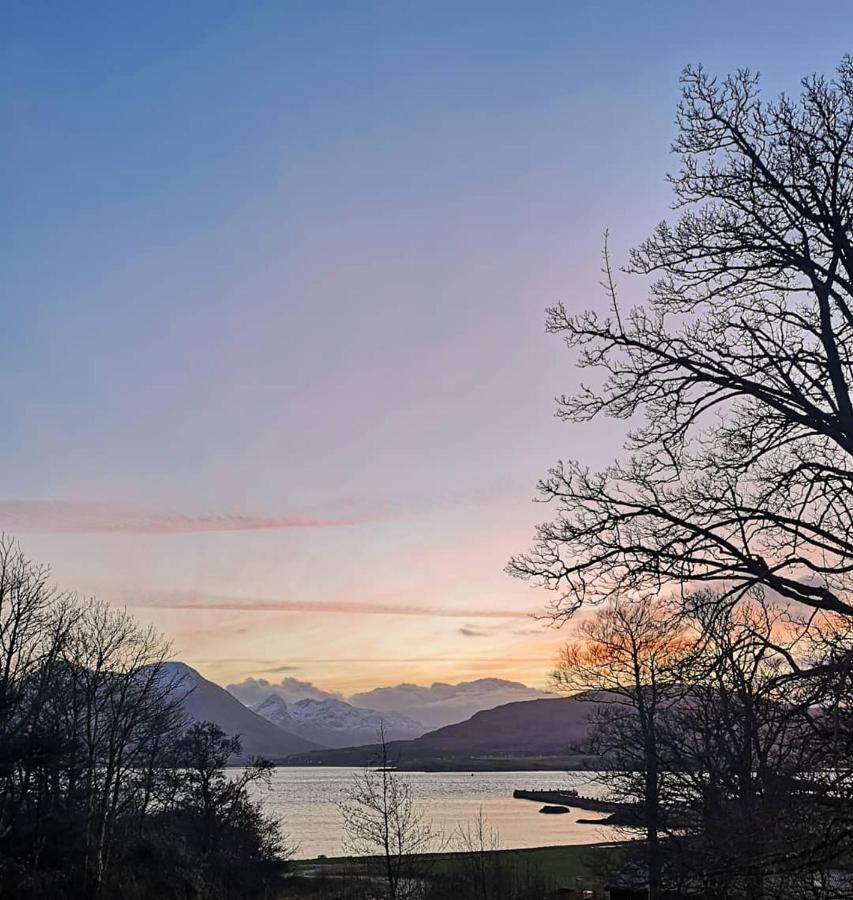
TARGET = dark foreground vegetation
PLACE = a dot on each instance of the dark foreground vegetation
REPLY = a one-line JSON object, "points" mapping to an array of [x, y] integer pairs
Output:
{"points": [[105, 790]]}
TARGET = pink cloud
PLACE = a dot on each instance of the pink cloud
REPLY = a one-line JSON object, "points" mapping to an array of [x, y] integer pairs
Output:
{"points": [[115, 517], [100, 517], [169, 601]]}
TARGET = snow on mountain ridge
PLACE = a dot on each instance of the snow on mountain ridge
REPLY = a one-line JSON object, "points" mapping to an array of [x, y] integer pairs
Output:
{"points": [[335, 721], [340, 714]]}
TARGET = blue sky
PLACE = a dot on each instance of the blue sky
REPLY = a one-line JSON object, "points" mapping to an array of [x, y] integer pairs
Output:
{"points": [[273, 287]]}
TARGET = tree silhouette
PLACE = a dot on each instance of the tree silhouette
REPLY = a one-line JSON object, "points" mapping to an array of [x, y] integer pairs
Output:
{"points": [[626, 660], [736, 374]]}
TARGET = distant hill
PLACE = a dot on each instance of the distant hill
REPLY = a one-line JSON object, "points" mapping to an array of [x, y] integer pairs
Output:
{"points": [[552, 729], [335, 723], [542, 727], [205, 701]]}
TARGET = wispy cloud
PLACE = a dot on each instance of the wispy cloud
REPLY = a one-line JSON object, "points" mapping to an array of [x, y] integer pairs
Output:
{"points": [[468, 631], [101, 517], [192, 601], [348, 660], [87, 516], [419, 659]]}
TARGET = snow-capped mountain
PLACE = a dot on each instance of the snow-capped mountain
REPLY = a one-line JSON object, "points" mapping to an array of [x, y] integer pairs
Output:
{"points": [[335, 723]]}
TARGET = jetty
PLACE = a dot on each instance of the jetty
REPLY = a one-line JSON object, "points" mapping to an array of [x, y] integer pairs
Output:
{"points": [[570, 799], [617, 813]]}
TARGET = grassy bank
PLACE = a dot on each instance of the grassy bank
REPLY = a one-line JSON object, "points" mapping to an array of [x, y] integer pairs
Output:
{"points": [[569, 866]]}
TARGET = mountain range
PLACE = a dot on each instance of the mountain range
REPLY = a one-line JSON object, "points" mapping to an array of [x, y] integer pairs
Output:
{"points": [[434, 705], [531, 733], [335, 723], [543, 732]]}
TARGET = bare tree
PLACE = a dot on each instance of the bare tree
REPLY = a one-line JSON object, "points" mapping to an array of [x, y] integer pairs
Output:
{"points": [[626, 661], [735, 484], [201, 781], [761, 760], [736, 373], [485, 875], [81, 705], [97, 777], [381, 816], [110, 687], [34, 624]]}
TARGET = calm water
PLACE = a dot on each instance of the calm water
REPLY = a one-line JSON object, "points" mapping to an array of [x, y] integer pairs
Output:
{"points": [[305, 801]]}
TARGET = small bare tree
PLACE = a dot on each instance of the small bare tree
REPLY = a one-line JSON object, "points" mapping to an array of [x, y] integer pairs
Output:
{"points": [[381, 817], [202, 782], [625, 661], [482, 863]]}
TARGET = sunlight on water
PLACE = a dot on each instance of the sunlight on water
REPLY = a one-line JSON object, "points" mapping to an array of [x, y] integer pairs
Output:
{"points": [[305, 800]]}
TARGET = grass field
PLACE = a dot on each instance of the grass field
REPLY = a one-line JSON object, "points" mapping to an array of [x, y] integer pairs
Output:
{"points": [[566, 866], [562, 864]]}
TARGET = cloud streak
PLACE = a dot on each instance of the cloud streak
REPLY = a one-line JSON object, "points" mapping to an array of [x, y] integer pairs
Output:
{"points": [[101, 517], [83, 516], [468, 631], [169, 601]]}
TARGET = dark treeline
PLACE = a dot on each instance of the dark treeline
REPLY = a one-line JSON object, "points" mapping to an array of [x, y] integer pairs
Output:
{"points": [[737, 771], [105, 790]]}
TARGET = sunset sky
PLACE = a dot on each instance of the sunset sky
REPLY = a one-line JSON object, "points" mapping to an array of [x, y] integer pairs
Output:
{"points": [[274, 275]]}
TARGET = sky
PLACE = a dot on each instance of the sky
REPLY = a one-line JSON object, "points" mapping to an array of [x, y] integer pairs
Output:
{"points": [[274, 275]]}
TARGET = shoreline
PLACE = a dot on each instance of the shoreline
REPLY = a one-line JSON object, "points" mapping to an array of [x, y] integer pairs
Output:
{"points": [[568, 849], [512, 765]]}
